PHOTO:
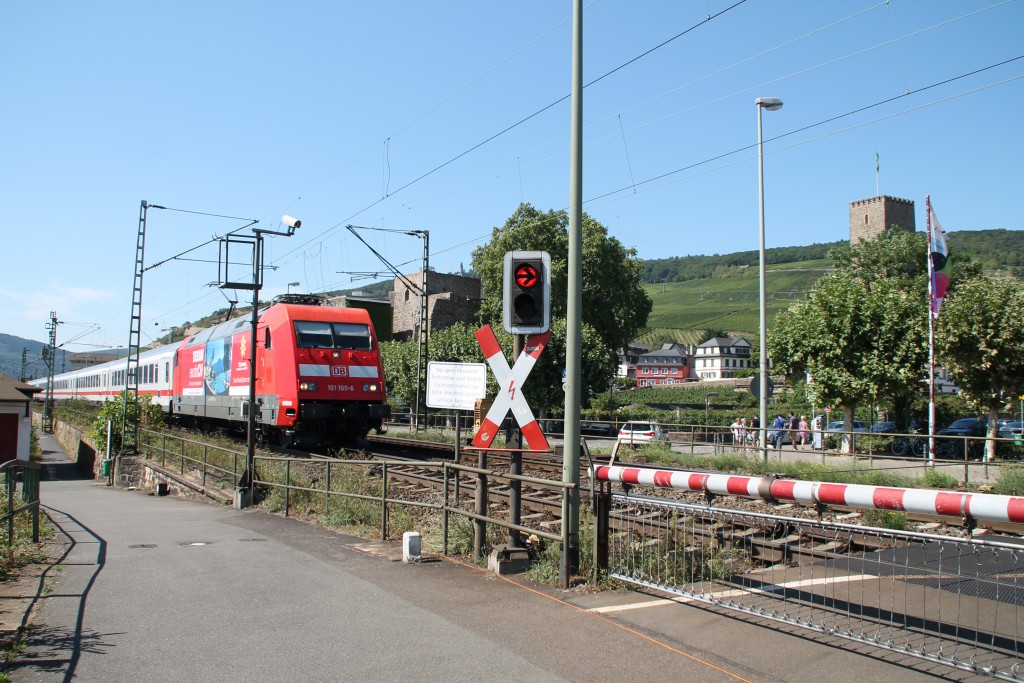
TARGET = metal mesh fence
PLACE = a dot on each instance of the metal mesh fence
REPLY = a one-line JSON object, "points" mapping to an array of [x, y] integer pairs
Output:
{"points": [[945, 599]]}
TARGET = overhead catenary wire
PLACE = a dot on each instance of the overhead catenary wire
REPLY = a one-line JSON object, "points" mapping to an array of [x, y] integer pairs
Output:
{"points": [[457, 184], [513, 126], [597, 198]]}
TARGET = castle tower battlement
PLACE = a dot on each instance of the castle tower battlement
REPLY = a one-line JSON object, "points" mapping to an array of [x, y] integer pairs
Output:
{"points": [[871, 217]]}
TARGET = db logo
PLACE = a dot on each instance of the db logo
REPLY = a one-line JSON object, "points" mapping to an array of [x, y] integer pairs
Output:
{"points": [[339, 371]]}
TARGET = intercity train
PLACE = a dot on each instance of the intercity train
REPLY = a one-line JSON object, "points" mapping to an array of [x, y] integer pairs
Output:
{"points": [[319, 378]]}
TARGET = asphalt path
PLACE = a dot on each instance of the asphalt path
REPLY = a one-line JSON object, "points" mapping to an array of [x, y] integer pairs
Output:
{"points": [[162, 589]]}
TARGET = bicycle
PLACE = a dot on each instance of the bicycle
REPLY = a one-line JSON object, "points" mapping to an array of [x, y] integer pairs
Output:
{"points": [[902, 445]]}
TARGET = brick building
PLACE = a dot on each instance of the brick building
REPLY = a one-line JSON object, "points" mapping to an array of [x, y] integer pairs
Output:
{"points": [[668, 365]]}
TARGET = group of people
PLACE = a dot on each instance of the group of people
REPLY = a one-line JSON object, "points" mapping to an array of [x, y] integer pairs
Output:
{"points": [[744, 434]]}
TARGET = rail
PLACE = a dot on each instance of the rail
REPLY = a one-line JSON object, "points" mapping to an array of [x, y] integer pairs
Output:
{"points": [[28, 474]]}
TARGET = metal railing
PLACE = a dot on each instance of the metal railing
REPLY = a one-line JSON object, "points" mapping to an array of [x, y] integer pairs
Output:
{"points": [[28, 474], [956, 601], [319, 486], [192, 456]]}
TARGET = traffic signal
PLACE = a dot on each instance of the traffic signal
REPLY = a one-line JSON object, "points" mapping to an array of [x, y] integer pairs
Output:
{"points": [[526, 296]]}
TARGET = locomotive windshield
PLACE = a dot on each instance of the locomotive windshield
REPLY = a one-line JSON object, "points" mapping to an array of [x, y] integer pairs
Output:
{"points": [[325, 335]]}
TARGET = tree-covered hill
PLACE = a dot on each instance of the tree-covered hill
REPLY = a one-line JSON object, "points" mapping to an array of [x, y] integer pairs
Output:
{"points": [[996, 251]]}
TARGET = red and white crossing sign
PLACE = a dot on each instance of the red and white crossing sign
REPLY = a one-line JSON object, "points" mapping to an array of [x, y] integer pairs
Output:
{"points": [[510, 390]]}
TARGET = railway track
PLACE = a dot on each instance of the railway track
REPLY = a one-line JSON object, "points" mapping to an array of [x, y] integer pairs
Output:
{"points": [[766, 541]]}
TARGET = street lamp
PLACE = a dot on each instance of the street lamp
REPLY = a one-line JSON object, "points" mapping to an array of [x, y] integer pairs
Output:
{"points": [[293, 284], [771, 104], [245, 487], [707, 405]]}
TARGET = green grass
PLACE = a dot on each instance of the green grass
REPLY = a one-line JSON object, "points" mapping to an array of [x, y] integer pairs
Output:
{"points": [[727, 303]]}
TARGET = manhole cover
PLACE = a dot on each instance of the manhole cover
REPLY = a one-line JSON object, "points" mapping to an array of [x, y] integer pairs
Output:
{"points": [[143, 545]]}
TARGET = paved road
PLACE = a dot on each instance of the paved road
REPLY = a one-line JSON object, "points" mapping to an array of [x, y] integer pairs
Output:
{"points": [[160, 589]]}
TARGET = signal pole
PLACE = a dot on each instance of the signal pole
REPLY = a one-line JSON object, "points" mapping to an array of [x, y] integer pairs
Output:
{"points": [[574, 312]]}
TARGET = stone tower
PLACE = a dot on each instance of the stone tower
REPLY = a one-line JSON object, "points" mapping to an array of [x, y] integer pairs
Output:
{"points": [[870, 217], [452, 299]]}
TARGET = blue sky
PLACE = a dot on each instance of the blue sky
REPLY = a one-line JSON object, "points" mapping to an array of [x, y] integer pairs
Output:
{"points": [[340, 112]]}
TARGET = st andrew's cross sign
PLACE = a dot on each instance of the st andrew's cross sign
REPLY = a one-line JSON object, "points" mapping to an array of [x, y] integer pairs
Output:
{"points": [[510, 390]]}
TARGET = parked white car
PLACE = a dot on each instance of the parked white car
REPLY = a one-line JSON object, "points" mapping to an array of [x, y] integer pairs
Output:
{"points": [[641, 432]]}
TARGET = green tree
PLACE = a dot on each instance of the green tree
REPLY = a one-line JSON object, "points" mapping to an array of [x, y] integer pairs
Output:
{"points": [[615, 304], [980, 342], [862, 332], [458, 344], [150, 416]]}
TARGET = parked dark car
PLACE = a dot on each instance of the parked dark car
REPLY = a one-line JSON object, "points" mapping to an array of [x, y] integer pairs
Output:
{"points": [[597, 428], [1010, 429], [966, 426], [883, 428]]}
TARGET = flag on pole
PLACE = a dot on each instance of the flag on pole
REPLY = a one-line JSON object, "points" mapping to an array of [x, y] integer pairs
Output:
{"points": [[940, 264]]}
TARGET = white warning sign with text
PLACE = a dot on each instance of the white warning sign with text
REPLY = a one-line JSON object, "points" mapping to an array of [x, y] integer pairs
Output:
{"points": [[456, 386]]}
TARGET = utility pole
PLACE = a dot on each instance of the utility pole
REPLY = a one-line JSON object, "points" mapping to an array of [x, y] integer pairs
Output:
{"points": [[574, 313], [24, 363], [50, 356]]}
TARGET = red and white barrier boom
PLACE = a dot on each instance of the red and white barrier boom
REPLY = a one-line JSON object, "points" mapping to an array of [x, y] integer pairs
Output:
{"points": [[971, 506]]}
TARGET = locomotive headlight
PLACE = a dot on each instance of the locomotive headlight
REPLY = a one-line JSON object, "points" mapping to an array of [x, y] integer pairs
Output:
{"points": [[371, 387], [307, 386], [335, 354]]}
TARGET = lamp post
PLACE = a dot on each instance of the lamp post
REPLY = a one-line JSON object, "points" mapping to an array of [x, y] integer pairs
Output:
{"points": [[293, 284], [707, 406], [771, 104], [245, 487]]}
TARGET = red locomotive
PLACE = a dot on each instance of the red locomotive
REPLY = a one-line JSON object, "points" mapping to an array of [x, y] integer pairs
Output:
{"points": [[319, 378]]}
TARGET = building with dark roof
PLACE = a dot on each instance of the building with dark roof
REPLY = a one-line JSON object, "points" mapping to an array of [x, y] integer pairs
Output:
{"points": [[721, 357], [668, 365], [15, 418]]}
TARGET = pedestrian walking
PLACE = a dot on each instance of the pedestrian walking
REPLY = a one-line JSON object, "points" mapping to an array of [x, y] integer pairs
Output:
{"points": [[737, 435], [779, 427], [793, 425], [804, 427]]}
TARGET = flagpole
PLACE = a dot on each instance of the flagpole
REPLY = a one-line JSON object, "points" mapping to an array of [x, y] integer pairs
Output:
{"points": [[931, 334]]}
